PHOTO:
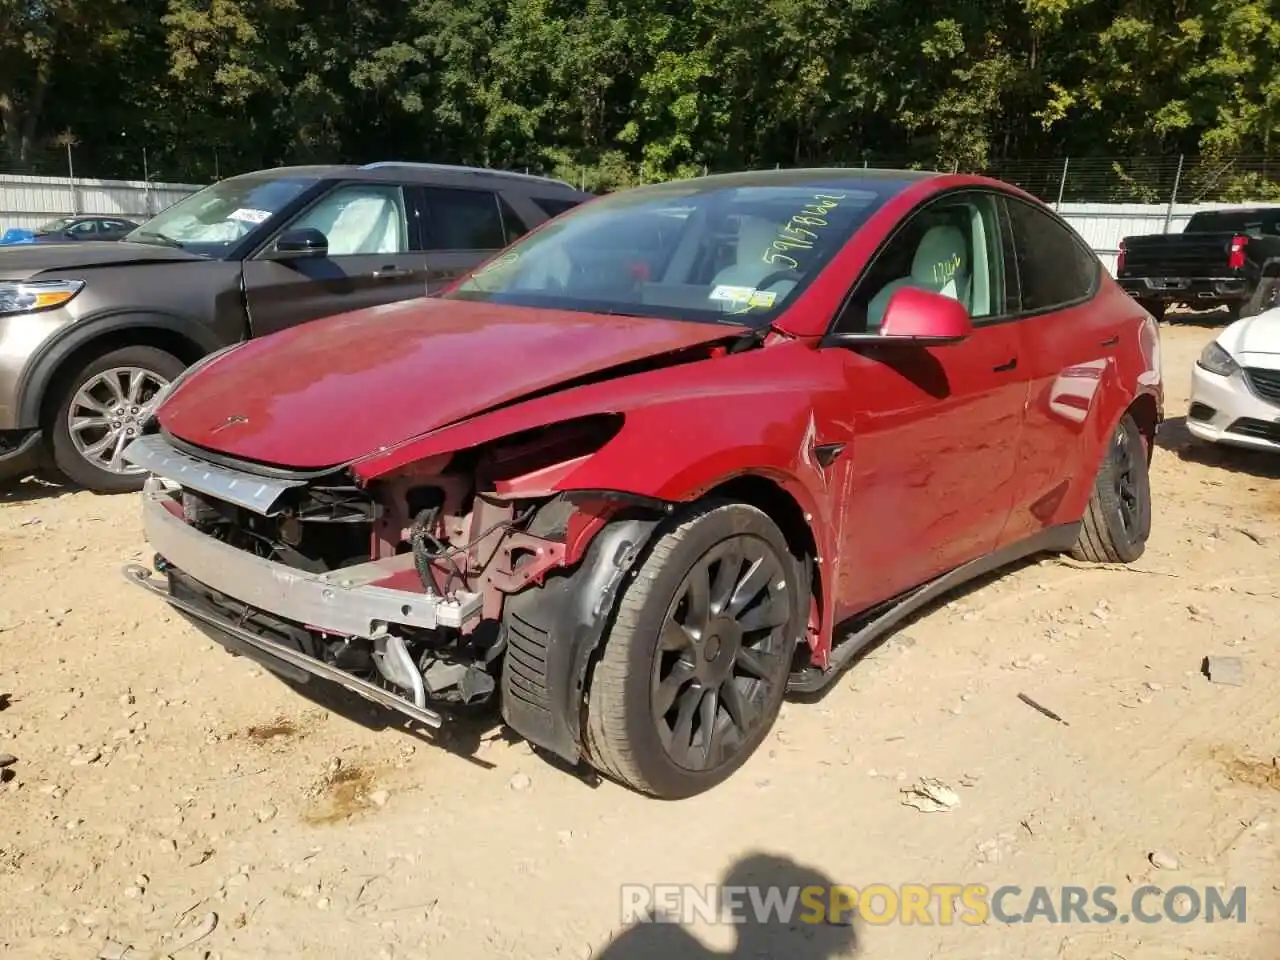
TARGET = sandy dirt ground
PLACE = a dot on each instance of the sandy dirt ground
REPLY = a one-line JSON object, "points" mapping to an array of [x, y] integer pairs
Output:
{"points": [[163, 787]]}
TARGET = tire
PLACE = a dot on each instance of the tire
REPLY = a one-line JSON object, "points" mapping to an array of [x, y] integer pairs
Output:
{"points": [[1157, 308], [1117, 521], [1262, 299], [622, 725], [153, 368]]}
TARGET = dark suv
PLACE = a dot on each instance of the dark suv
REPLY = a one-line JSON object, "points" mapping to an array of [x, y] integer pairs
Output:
{"points": [[90, 333]]}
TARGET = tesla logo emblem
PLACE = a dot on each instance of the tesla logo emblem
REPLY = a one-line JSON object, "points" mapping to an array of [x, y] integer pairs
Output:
{"points": [[229, 422]]}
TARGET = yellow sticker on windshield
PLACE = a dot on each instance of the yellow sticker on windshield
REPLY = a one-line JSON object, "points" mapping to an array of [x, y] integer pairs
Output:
{"points": [[749, 298], [733, 294]]}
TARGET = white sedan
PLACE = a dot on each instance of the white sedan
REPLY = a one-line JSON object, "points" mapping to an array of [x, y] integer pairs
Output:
{"points": [[1235, 386]]}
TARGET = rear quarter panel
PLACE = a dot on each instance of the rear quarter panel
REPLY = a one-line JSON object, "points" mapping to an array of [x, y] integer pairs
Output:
{"points": [[1082, 383]]}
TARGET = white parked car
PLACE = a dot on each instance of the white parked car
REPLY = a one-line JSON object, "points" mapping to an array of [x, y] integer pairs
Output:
{"points": [[1235, 386]]}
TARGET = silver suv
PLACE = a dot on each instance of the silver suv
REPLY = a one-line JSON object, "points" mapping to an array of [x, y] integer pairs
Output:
{"points": [[90, 333]]}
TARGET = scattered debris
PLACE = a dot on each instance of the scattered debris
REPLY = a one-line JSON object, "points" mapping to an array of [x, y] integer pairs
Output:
{"points": [[1253, 535], [201, 929], [930, 796], [1040, 709], [115, 951], [1117, 567], [1226, 670], [1163, 861], [520, 781]]}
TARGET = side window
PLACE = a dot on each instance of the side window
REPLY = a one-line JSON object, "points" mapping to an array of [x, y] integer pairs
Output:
{"points": [[84, 228], [553, 208], [1055, 268], [513, 226], [952, 247], [360, 218], [463, 220]]}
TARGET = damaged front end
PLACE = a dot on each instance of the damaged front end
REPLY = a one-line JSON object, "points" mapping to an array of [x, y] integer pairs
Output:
{"points": [[439, 585]]}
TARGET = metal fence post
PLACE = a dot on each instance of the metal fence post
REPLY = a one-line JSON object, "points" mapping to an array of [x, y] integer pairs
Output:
{"points": [[1173, 197], [71, 179], [1062, 184]]}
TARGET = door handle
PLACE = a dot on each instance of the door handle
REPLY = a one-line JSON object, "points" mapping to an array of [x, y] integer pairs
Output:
{"points": [[390, 273], [1001, 368], [1111, 341]]}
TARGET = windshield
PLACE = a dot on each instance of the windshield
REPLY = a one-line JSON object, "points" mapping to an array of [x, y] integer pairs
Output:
{"points": [[53, 226], [221, 215], [693, 250]]}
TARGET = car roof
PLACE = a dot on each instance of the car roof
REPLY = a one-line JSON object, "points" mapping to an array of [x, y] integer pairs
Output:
{"points": [[800, 177], [426, 173], [1239, 211]]}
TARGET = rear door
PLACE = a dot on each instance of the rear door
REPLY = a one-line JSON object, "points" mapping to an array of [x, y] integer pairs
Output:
{"points": [[374, 257], [1071, 339], [462, 228]]}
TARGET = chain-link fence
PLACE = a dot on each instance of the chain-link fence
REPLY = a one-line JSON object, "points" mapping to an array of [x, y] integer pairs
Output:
{"points": [[1166, 180]]}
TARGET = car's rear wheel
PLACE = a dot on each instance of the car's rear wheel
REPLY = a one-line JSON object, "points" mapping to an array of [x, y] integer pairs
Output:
{"points": [[695, 667], [101, 409], [1117, 521]]}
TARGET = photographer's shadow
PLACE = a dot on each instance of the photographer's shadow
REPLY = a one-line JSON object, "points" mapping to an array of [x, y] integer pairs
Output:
{"points": [[797, 937]]}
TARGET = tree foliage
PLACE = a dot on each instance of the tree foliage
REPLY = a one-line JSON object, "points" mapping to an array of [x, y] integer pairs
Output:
{"points": [[612, 91]]}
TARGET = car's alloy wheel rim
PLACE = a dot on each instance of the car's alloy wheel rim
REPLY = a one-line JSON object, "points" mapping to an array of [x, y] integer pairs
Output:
{"points": [[721, 656], [108, 412], [1128, 494]]}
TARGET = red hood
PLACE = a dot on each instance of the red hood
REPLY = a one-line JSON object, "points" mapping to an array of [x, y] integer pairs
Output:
{"points": [[333, 390]]}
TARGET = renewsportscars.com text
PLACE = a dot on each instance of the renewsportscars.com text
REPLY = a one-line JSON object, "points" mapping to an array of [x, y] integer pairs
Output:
{"points": [[930, 904]]}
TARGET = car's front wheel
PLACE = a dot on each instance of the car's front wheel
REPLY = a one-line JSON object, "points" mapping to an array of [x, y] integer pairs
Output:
{"points": [[695, 667], [1117, 521], [100, 410]]}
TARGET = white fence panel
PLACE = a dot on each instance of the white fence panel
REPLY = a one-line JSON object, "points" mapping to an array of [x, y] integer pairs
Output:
{"points": [[30, 201]]}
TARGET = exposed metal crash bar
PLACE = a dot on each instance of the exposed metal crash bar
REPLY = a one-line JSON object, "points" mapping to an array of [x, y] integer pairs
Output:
{"points": [[157, 455], [141, 576], [345, 602]]}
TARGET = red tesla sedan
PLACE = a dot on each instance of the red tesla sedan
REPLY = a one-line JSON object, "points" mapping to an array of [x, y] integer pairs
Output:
{"points": [[679, 451]]}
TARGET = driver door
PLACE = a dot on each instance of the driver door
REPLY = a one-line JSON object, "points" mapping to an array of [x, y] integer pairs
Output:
{"points": [[935, 429], [373, 258]]}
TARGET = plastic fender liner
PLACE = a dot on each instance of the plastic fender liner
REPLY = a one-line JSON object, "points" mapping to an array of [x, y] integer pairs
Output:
{"points": [[552, 631]]}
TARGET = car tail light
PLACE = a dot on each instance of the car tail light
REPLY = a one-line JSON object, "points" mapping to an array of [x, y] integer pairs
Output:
{"points": [[1120, 259], [1235, 259]]}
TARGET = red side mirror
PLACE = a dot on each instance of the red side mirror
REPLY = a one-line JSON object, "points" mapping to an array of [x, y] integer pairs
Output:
{"points": [[925, 317]]}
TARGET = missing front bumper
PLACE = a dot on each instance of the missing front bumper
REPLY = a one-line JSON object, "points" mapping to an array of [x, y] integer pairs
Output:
{"points": [[348, 602], [264, 648]]}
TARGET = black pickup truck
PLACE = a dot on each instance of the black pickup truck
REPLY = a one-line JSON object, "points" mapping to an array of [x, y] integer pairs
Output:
{"points": [[1225, 258]]}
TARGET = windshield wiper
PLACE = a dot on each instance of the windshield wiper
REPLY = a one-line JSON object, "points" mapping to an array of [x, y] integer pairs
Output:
{"points": [[166, 241]]}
